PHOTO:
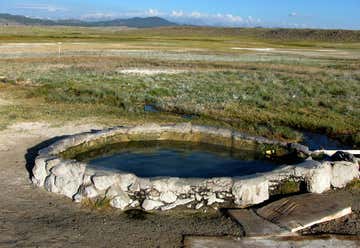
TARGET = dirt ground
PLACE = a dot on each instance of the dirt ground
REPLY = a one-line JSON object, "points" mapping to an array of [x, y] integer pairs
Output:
{"points": [[32, 217]]}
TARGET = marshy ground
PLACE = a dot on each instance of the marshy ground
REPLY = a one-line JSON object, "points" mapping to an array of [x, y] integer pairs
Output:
{"points": [[256, 81]]}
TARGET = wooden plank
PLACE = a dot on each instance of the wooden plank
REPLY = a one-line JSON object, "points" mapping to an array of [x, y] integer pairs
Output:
{"points": [[298, 212], [328, 241], [255, 225]]}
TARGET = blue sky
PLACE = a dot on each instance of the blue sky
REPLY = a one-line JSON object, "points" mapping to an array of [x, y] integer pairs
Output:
{"points": [[268, 13]]}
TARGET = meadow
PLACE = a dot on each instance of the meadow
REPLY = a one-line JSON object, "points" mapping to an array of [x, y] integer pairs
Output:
{"points": [[273, 83]]}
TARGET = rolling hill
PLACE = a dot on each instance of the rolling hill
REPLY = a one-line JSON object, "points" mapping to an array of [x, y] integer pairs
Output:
{"points": [[136, 22]]}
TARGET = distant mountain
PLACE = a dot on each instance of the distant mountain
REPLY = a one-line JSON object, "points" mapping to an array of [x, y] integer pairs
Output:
{"points": [[136, 22]]}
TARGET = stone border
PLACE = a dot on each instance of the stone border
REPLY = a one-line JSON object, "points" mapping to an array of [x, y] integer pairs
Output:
{"points": [[125, 190]]}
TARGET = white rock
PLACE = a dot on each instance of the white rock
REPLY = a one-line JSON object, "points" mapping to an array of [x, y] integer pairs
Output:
{"points": [[219, 184], [103, 182], [182, 128], [90, 191], [52, 163], [151, 204], [129, 182], [69, 169], [343, 173], [213, 199], [199, 205], [178, 202], [154, 195], [49, 184], [144, 183], [135, 204], [250, 191], [198, 197], [67, 178], [318, 180], [168, 197], [39, 171], [121, 201], [145, 128], [67, 187], [176, 185], [78, 197], [87, 178], [113, 191]]}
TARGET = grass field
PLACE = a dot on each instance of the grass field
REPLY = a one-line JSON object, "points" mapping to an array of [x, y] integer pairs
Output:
{"points": [[259, 81]]}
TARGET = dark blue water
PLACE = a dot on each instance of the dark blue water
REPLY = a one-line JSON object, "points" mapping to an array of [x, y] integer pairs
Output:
{"points": [[177, 159], [316, 141]]}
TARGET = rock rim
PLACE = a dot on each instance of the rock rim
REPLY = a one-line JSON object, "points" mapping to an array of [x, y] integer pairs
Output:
{"points": [[125, 190]]}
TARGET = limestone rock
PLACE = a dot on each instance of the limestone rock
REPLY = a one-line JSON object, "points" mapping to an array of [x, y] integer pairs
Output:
{"points": [[318, 180], [67, 178], [211, 199], [135, 204], [178, 202], [219, 184], [121, 201], [168, 197], [199, 205], [39, 172], [129, 182], [113, 191], [154, 195], [148, 205], [198, 197], [103, 182], [144, 183], [343, 173], [176, 185], [49, 184], [90, 191], [250, 191]]}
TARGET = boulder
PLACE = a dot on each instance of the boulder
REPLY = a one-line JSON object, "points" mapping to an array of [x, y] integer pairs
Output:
{"points": [[49, 184], [250, 191], [121, 201], [113, 191], [39, 171], [176, 185], [178, 202], [90, 191], [318, 179], [199, 205], [211, 199], [103, 182], [67, 178], [129, 182], [148, 205], [220, 184], [343, 173], [168, 197]]}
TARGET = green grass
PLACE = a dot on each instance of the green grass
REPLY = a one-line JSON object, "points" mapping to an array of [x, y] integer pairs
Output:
{"points": [[268, 101], [273, 95], [97, 204]]}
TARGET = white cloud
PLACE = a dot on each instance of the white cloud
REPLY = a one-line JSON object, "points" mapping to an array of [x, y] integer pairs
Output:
{"points": [[180, 16], [152, 12], [98, 15], [43, 7], [293, 14], [175, 13], [221, 19]]}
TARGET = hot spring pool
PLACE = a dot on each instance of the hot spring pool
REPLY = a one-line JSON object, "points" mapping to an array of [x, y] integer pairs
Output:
{"points": [[161, 167], [177, 159]]}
